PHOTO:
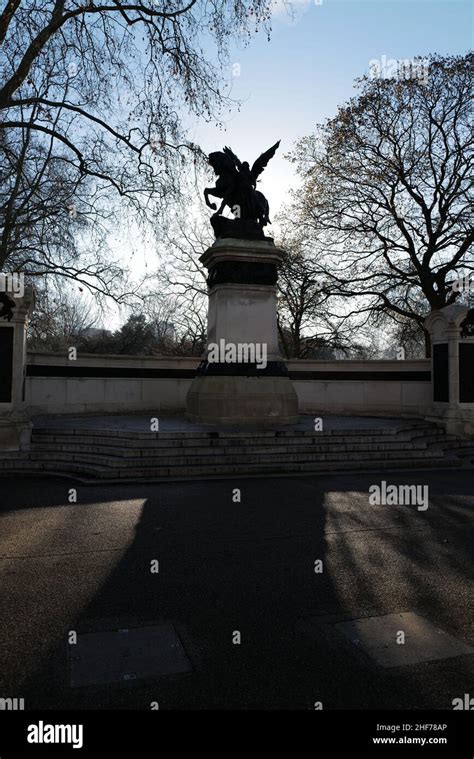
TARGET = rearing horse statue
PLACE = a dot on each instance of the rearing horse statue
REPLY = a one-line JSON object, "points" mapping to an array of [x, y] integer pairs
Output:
{"points": [[236, 186]]}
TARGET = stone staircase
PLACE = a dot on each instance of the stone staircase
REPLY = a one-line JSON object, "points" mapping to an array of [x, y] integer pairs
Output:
{"points": [[120, 455]]}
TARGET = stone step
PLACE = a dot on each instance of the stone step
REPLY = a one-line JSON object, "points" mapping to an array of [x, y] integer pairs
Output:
{"points": [[20, 455], [178, 452], [20, 463], [104, 473], [222, 441], [122, 455], [458, 444], [231, 458], [62, 432], [432, 436]]}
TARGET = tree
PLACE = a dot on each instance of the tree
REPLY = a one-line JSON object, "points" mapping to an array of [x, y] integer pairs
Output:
{"points": [[181, 275], [303, 327], [137, 336], [60, 320], [385, 200], [92, 97]]}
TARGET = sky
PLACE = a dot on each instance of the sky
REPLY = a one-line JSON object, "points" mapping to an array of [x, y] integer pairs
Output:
{"points": [[299, 77], [308, 68]]}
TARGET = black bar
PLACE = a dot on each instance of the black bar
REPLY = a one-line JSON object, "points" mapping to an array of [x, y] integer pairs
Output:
{"points": [[441, 373], [143, 733], [64, 370], [466, 372], [364, 376], [6, 364]]}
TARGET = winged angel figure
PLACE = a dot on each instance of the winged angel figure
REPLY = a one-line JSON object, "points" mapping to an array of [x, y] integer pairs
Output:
{"points": [[236, 186]]}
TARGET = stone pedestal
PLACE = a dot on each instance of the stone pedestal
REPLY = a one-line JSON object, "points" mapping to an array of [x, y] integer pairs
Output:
{"points": [[242, 378], [15, 425], [452, 368]]}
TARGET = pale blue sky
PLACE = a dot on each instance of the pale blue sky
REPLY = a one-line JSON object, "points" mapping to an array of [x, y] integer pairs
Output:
{"points": [[307, 69]]}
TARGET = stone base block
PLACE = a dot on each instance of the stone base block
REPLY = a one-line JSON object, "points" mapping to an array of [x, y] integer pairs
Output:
{"points": [[456, 421], [239, 400], [15, 434]]}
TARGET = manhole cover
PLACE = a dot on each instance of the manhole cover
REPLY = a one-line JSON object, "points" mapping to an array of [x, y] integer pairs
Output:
{"points": [[381, 639], [118, 656]]}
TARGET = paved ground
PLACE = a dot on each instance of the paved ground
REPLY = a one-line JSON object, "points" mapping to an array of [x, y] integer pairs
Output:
{"points": [[227, 567]]}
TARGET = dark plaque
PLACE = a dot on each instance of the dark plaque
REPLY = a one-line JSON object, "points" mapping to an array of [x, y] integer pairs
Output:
{"points": [[242, 272], [441, 373], [6, 364], [466, 372], [211, 369]]}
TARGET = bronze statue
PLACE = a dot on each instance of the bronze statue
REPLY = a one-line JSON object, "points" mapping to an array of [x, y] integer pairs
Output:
{"points": [[236, 186]]}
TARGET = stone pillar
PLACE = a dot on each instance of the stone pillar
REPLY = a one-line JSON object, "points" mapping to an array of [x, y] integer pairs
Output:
{"points": [[230, 388], [15, 425], [452, 368]]}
